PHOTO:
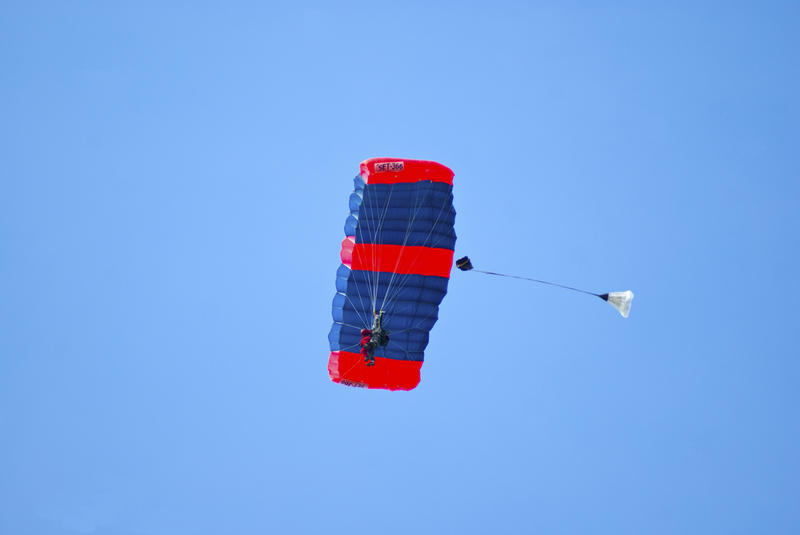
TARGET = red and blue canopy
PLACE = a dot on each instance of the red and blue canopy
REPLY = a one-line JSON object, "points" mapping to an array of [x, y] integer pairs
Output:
{"points": [[396, 258]]}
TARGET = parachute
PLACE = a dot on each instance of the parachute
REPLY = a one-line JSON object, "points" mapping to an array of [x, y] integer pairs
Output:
{"points": [[396, 260], [621, 301]]}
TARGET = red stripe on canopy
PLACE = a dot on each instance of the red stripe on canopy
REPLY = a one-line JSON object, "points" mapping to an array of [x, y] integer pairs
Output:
{"points": [[387, 258], [351, 370], [397, 170]]}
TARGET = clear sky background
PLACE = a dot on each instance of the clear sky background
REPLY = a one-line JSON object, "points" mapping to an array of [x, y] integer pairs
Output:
{"points": [[173, 189]]}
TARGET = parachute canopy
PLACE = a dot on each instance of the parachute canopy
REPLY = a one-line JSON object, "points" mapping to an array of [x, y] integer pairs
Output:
{"points": [[396, 258]]}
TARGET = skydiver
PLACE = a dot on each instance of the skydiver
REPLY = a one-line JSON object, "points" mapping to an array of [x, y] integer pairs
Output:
{"points": [[373, 338]]}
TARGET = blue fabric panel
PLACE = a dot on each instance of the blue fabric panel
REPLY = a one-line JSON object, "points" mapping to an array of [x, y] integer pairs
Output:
{"points": [[416, 213], [411, 312]]}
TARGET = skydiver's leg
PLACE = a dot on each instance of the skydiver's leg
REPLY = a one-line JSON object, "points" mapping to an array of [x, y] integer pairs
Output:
{"points": [[369, 349]]}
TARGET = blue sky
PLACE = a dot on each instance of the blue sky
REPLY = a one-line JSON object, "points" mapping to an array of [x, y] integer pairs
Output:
{"points": [[173, 190]]}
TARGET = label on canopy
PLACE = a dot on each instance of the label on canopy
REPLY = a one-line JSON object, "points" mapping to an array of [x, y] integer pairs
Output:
{"points": [[383, 167]]}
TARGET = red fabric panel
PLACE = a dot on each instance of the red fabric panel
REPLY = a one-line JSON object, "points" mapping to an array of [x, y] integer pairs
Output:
{"points": [[347, 250], [350, 369], [413, 260], [394, 170]]}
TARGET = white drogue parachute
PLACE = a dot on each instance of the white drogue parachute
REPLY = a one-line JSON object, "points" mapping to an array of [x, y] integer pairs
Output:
{"points": [[621, 301]]}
